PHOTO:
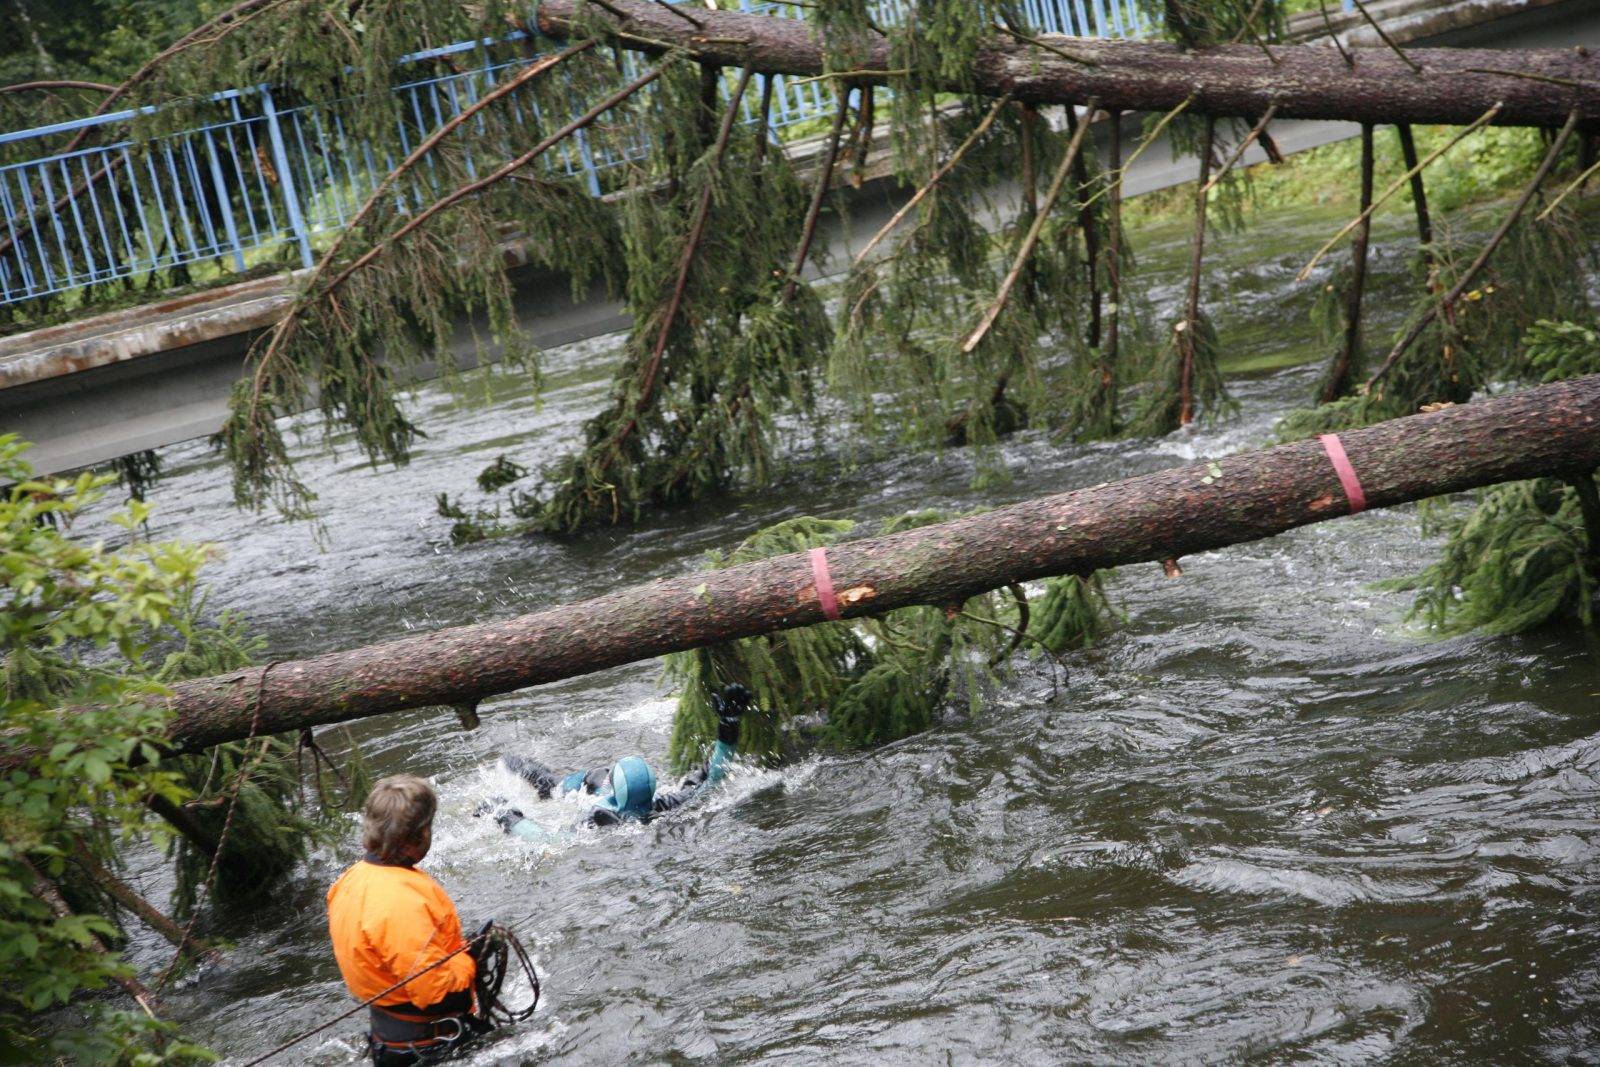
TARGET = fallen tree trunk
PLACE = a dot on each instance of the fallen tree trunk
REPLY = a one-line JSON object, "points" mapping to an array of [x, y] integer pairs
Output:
{"points": [[1536, 87], [1548, 430]]}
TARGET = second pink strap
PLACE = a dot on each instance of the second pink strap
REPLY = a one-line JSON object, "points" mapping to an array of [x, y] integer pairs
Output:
{"points": [[1347, 474], [824, 582]]}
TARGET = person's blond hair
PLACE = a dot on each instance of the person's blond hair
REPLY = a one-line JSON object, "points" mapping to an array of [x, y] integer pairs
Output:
{"points": [[399, 812]]}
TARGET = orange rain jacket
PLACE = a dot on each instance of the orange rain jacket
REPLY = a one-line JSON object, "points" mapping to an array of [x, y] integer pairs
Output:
{"points": [[387, 922]]}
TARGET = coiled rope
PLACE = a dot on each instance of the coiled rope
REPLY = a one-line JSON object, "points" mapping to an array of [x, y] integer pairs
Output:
{"points": [[500, 945]]}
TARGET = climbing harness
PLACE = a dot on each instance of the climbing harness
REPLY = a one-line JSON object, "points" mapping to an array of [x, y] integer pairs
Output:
{"points": [[500, 946]]}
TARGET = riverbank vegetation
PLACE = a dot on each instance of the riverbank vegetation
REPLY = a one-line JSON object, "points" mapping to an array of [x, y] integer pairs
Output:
{"points": [[92, 636]]}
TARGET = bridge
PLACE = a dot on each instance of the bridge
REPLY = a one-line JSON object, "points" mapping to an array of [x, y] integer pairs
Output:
{"points": [[263, 184]]}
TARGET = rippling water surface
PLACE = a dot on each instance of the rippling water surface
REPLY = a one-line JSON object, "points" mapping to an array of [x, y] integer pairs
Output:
{"points": [[1263, 821]]}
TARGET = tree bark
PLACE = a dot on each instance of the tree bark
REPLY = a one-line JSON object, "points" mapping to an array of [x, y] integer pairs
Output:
{"points": [[1191, 313], [1344, 364], [1543, 431], [148, 913], [46, 891], [1538, 87]]}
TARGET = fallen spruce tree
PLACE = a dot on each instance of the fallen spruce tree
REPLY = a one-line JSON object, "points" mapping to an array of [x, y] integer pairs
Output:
{"points": [[1531, 87], [1549, 431], [709, 229]]}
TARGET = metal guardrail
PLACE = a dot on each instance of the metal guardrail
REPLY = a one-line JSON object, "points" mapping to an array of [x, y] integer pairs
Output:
{"points": [[262, 183]]}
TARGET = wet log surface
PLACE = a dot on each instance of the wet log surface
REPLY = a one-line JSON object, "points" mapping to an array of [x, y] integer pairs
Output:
{"points": [[1550, 430]]}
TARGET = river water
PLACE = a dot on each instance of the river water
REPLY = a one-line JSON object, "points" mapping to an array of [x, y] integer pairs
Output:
{"points": [[1265, 820]]}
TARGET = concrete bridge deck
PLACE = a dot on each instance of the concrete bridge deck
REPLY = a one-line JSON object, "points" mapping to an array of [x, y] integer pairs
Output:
{"points": [[88, 391]]}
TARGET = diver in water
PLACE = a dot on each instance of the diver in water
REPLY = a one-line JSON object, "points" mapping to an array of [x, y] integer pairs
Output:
{"points": [[626, 790]]}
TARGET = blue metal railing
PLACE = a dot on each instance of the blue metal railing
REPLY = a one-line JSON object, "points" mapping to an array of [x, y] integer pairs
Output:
{"points": [[262, 183]]}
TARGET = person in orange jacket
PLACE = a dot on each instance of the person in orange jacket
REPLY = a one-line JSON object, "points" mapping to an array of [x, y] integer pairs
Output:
{"points": [[388, 921]]}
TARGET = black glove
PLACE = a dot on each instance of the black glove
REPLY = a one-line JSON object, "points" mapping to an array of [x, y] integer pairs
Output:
{"points": [[730, 705], [508, 817], [480, 942]]}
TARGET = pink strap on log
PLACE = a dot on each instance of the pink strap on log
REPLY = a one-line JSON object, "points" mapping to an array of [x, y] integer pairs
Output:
{"points": [[1347, 474], [824, 582]]}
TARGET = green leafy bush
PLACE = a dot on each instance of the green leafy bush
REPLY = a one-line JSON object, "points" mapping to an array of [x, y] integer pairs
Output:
{"points": [[79, 629]]}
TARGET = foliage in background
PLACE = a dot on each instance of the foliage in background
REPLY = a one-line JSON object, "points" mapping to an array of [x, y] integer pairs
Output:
{"points": [[86, 40], [864, 682]]}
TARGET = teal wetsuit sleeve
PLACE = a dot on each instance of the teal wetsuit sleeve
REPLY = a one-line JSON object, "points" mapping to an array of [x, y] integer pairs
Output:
{"points": [[528, 830], [722, 754]]}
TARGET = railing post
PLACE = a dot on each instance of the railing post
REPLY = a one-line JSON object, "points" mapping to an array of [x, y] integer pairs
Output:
{"points": [[280, 159], [225, 201], [587, 157]]}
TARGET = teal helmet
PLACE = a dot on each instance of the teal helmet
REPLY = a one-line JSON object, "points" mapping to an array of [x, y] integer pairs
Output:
{"points": [[633, 786]]}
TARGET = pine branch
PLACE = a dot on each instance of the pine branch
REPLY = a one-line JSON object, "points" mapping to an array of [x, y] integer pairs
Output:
{"points": [[1575, 184], [1191, 318], [1025, 252], [764, 121], [288, 325], [1149, 139], [1239, 151], [1345, 362], [1419, 189], [147, 912], [1394, 187], [939, 175], [685, 262], [49, 86], [1089, 229], [814, 211], [1390, 41], [251, 416], [1333, 36], [1478, 264]]}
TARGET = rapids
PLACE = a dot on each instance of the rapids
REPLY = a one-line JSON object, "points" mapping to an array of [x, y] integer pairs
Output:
{"points": [[1265, 820]]}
